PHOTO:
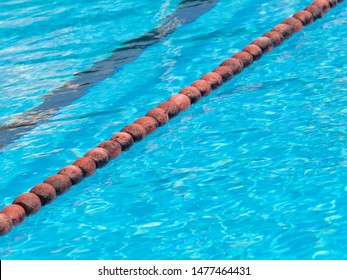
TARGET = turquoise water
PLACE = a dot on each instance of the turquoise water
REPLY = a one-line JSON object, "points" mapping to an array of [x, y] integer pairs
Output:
{"points": [[257, 170]]}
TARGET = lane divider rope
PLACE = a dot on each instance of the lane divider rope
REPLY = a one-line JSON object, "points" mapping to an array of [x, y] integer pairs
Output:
{"points": [[45, 193]]}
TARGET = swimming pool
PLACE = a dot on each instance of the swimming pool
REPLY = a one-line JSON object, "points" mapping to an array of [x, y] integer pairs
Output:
{"points": [[254, 171]]}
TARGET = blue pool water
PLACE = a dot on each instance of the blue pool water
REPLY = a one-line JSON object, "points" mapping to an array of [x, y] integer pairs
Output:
{"points": [[257, 170]]}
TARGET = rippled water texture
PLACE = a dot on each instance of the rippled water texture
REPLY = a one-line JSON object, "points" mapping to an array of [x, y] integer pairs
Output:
{"points": [[257, 170]]}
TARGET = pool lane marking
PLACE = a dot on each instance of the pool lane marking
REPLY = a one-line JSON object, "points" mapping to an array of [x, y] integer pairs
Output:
{"points": [[187, 12], [45, 193]]}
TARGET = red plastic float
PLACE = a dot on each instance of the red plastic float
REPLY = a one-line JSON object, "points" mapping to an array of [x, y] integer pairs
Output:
{"points": [[60, 183], [285, 29], [214, 79], [113, 148], [295, 23], [181, 100], [304, 16], [15, 212], [264, 43], [170, 108], [100, 156], [87, 165], [73, 172], [316, 11], [149, 123], [159, 115], [124, 139], [45, 192], [203, 86], [254, 50], [325, 5], [194, 94], [234, 64], [275, 37], [245, 57], [30, 202], [5, 224]]}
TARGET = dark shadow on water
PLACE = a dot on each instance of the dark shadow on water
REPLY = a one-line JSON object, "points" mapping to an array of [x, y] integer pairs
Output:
{"points": [[186, 12]]}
